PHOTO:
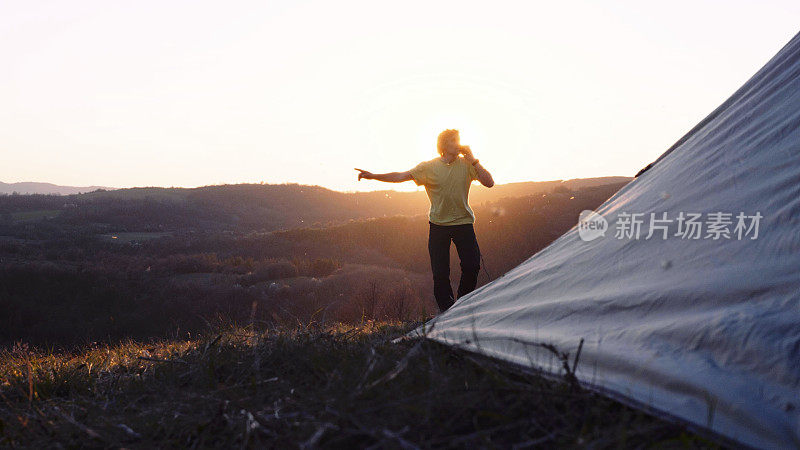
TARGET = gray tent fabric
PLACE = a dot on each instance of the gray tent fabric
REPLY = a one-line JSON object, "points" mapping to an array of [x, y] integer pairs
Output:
{"points": [[704, 326]]}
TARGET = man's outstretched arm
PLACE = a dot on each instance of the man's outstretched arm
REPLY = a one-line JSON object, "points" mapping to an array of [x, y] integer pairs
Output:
{"points": [[391, 177]]}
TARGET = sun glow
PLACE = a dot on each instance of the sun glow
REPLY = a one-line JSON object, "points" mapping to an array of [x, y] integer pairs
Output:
{"points": [[402, 126], [302, 92]]}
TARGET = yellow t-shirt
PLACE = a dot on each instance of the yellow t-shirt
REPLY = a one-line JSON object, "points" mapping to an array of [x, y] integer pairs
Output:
{"points": [[447, 186]]}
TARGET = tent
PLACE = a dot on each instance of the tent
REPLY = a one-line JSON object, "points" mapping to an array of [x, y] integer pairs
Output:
{"points": [[684, 286]]}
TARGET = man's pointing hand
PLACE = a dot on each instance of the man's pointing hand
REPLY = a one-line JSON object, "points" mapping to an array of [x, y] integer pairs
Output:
{"points": [[364, 174]]}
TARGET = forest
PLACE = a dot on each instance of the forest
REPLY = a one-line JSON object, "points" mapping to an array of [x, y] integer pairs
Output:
{"points": [[157, 262]]}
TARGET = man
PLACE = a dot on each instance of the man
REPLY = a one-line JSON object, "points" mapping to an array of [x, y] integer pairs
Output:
{"points": [[447, 180]]}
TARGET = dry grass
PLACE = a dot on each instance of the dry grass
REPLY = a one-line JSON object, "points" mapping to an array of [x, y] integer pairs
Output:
{"points": [[304, 386]]}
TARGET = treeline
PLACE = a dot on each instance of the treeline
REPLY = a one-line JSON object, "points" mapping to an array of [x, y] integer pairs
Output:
{"points": [[48, 303], [240, 207]]}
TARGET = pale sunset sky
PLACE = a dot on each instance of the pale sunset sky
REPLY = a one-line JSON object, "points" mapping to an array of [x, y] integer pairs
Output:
{"points": [[193, 93]]}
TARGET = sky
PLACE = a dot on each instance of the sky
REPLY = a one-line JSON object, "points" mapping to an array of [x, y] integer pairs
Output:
{"points": [[195, 93]]}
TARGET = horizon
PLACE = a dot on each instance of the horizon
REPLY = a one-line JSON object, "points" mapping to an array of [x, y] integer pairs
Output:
{"points": [[303, 92], [388, 186]]}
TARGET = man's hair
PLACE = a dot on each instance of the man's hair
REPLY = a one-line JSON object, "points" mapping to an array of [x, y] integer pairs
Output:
{"points": [[445, 137]]}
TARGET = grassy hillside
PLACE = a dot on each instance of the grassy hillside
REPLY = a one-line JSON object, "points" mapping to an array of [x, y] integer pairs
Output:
{"points": [[289, 387], [123, 317]]}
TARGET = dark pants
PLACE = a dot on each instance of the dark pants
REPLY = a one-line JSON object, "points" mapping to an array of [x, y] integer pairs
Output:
{"points": [[468, 252]]}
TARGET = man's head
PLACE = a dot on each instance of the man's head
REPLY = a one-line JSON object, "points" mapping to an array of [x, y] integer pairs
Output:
{"points": [[449, 142]]}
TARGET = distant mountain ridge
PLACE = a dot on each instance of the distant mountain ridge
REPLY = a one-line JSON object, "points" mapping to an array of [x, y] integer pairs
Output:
{"points": [[32, 187], [478, 193], [255, 207]]}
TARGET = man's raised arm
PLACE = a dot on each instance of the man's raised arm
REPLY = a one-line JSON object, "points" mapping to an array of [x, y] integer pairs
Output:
{"points": [[391, 177], [484, 176]]}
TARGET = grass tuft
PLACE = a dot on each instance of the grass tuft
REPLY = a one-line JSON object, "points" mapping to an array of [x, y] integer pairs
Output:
{"points": [[306, 386]]}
